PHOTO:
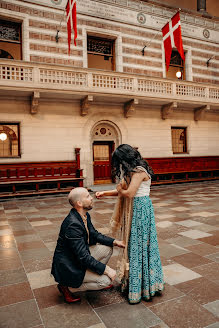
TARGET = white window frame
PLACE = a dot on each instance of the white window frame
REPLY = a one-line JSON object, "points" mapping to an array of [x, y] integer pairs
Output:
{"points": [[103, 33], [188, 63], [24, 20]]}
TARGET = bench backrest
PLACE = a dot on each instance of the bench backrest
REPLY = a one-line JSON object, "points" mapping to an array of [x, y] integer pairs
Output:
{"points": [[41, 170], [183, 164]]}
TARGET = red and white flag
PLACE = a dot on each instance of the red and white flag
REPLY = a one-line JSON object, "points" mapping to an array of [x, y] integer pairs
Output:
{"points": [[172, 38], [71, 21]]}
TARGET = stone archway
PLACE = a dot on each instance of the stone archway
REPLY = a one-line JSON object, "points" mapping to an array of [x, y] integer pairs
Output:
{"points": [[105, 137]]}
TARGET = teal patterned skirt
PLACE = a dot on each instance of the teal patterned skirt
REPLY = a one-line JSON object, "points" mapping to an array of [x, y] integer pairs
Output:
{"points": [[145, 270]]}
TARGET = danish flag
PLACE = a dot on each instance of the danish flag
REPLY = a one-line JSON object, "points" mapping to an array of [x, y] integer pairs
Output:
{"points": [[172, 38], [71, 21]]}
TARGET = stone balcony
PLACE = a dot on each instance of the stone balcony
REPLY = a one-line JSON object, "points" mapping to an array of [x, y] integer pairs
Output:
{"points": [[40, 81]]}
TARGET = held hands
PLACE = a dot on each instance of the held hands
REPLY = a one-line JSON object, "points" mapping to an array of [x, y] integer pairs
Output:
{"points": [[119, 243], [110, 273], [119, 189], [99, 194]]}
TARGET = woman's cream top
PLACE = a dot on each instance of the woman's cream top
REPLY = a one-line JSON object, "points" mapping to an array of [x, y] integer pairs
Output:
{"points": [[144, 188]]}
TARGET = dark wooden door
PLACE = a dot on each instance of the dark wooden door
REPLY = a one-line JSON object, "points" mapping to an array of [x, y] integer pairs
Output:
{"points": [[102, 154]]}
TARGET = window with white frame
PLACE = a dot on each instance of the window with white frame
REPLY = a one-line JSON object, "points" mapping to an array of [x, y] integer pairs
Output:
{"points": [[179, 140], [101, 53], [177, 66], [10, 40], [9, 139]]}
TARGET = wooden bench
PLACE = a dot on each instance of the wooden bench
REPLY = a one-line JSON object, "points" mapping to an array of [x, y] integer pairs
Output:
{"points": [[40, 177], [184, 169]]}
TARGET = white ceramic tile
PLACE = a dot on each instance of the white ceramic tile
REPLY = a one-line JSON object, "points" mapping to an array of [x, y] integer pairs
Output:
{"points": [[106, 211], [51, 245], [40, 279], [29, 209], [110, 201], [164, 224], [160, 204], [164, 216], [213, 257], [171, 250], [188, 223], [213, 307], [40, 223], [214, 325], [2, 223], [204, 214], [177, 273], [206, 227], [15, 210], [194, 234], [180, 208], [193, 203], [5, 232]]}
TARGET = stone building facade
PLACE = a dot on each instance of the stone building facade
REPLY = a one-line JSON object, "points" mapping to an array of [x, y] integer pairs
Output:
{"points": [[96, 100]]}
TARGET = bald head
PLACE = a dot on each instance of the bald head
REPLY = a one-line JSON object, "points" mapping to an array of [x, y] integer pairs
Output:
{"points": [[76, 195]]}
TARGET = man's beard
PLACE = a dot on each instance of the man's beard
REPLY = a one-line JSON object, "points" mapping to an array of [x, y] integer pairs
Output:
{"points": [[88, 208]]}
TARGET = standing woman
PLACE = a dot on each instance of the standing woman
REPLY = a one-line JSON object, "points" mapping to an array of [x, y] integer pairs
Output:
{"points": [[140, 266]]}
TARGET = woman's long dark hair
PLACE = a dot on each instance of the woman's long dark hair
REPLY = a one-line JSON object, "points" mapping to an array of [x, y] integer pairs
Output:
{"points": [[127, 158]]}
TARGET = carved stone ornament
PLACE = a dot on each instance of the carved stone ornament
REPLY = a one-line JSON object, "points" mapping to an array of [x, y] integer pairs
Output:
{"points": [[168, 109], [34, 102], [206, 33], [141, 18], [129, 107], [200, 112], [85, 104]]}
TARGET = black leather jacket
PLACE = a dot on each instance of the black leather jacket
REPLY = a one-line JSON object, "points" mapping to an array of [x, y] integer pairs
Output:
{"points": [[72, 255]]}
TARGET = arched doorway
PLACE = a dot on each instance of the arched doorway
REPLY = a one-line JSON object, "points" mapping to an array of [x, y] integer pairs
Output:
{"points": [[105, 138]]}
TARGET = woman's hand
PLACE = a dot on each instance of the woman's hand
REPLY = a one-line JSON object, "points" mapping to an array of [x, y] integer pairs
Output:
{"points": [[111, 273], [99, 194], [119, 243], [119, 187]]}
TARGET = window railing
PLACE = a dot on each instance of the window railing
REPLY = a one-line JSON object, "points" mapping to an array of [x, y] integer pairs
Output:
{"points": [[19, 73]]}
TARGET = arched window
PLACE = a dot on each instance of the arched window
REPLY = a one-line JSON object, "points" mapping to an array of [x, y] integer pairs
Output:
{"points": [[5, 54], [177, 66], [9, 140]]}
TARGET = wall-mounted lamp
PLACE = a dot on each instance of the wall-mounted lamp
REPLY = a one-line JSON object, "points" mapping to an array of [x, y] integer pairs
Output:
{"points": [[208, 61], [178, 74], [143, 50], [57, 36], [3, 136]]}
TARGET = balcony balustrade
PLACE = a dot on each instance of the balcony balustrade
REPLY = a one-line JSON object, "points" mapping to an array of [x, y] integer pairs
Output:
{"points": [[31, 76]]}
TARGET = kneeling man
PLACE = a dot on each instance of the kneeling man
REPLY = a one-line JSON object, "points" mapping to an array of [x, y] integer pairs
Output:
{"points": [[79, 262]]}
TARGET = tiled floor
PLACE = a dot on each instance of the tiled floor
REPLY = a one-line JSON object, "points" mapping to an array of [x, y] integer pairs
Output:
{"points": [[187, 218]]}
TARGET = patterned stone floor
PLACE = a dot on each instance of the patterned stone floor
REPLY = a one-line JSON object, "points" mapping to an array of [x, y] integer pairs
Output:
{"points": [[187, 218]]}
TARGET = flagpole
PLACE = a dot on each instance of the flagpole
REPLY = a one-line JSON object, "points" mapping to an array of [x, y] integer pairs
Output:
{"points": [[149, 42], [58, 29]]}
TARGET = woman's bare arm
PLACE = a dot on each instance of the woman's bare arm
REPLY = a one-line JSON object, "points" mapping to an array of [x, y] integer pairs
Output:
{"points": [[101, 194], [136, 180]]}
